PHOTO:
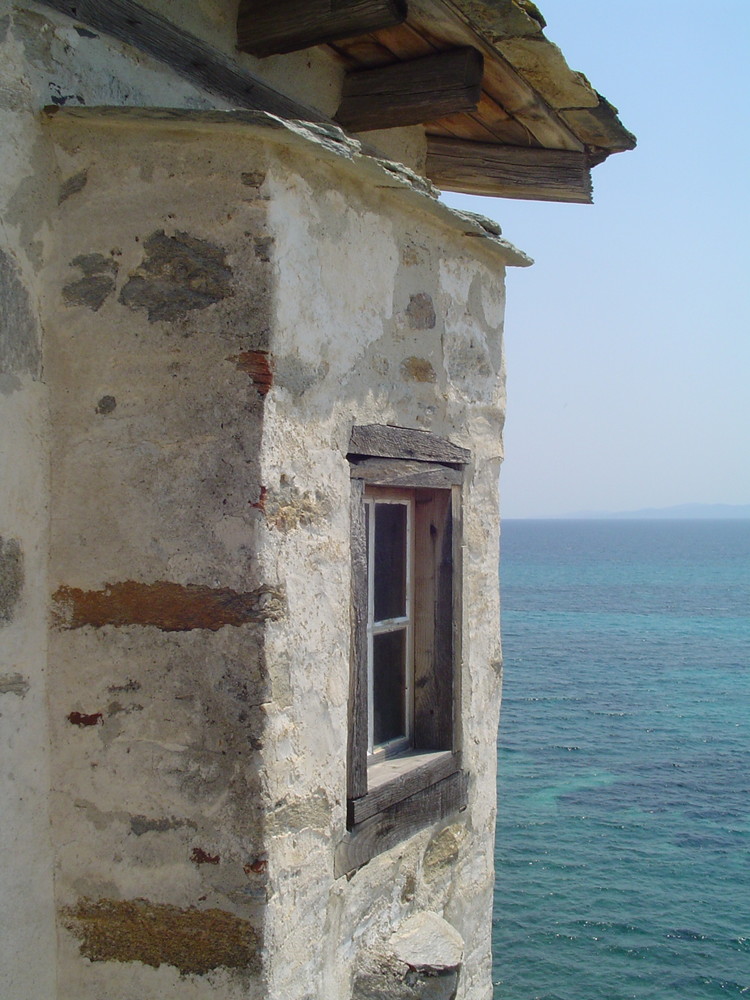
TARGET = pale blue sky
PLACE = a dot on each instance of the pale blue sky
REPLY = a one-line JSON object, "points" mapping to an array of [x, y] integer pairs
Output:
{"points": [[628, 342]]}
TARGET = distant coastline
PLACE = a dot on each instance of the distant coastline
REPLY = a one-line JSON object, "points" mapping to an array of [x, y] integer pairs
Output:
{"points": [[680, 512]]}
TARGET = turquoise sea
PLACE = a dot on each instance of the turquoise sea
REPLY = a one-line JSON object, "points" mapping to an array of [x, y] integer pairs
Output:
{"points": [[623, 841]]}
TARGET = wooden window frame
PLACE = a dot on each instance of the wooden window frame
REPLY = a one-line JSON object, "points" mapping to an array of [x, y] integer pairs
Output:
{"points": [[374, 497], [389, 799]]}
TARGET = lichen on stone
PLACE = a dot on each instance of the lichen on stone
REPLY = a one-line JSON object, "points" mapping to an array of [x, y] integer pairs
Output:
{"points": [[15, 684], [19, 339], [97, 283], [288, 507], [418, 370], [165, 605], [421, 312], [137, 930], [11, 578], [178, 274], [72, 185]]}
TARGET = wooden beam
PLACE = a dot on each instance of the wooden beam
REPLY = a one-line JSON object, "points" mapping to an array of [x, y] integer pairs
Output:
{"points": [[270, 27], [509, 171], [409, 93], [385, 441], [187, 55], [401, 474]]}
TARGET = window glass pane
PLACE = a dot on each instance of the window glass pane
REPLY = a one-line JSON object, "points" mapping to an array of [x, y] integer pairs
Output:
{"points": [[390, 561], [389, 686]]}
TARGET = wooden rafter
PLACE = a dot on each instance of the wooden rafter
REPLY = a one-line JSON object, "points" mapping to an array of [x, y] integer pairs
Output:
{"points": [[271, 27], [409, 93], [508, 171]]}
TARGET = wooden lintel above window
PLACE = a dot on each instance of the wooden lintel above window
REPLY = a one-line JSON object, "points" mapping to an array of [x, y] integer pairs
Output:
{"points": [[402, 474], [509, 171], [271, 27], [385, 441], [412, 92]]}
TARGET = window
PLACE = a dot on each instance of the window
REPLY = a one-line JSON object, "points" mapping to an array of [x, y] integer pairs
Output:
{"points": [[404, 768], [389, 534]]}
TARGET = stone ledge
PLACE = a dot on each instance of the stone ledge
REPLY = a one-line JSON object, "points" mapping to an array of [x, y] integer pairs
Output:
{"points": [[327, 142]]}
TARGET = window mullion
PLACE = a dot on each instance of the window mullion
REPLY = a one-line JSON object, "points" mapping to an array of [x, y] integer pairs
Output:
{"points": [[370, 615]]}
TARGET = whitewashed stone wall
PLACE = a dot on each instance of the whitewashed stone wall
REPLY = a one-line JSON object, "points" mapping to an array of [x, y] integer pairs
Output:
{"points": [[402, 324], [195, 313]]}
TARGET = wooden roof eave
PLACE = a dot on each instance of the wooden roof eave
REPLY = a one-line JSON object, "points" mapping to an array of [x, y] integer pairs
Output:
{"points": [[516, 143], [446, 21], [390, 38], [516, 31], [498, 171]]}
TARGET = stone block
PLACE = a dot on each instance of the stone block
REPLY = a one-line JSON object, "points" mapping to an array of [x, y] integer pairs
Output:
{"points": [[421, 961], [19, 340]]}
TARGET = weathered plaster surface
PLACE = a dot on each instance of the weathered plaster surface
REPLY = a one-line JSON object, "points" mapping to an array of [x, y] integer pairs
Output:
{"points": [[198, 317], [405, 145], [44, 60], [311, 76], [154, 569], [26, 871]]}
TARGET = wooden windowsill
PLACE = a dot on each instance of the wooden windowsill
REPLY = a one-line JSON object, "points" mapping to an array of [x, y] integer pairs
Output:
{"points": [[430, 787], [392, 780], [396, 778]]}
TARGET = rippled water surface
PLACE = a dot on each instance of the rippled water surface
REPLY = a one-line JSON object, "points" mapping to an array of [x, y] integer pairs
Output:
{"points": [[623, 845]]}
